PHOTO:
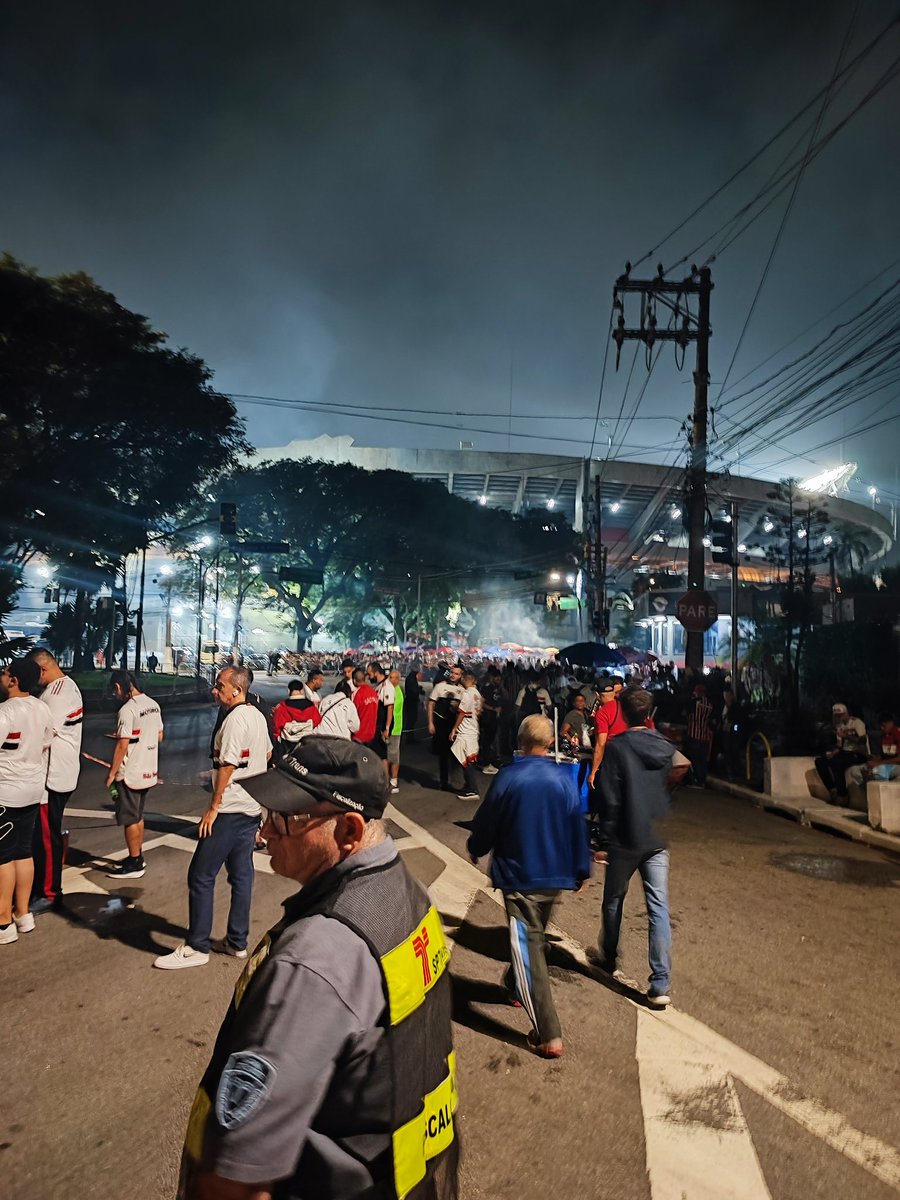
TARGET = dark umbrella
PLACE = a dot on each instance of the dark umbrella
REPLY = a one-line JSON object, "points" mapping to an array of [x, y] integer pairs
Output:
{"points": [[590, 654]]}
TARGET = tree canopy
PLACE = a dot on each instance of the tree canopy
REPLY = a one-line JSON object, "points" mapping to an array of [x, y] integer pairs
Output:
{"points": [[107, 430]]}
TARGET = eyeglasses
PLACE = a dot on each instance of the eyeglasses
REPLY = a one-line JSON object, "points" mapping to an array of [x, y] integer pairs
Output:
{"points": [[286, 824]]}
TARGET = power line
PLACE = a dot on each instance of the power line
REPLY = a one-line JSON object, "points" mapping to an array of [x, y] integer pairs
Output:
{"points": [[850, 67]]}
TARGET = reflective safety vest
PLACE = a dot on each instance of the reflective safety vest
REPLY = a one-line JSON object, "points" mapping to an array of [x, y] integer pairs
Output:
{"points": [[410, 1089]]}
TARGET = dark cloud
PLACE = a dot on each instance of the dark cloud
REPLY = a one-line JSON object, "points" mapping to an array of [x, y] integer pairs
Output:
{"points": [[425, 204]]}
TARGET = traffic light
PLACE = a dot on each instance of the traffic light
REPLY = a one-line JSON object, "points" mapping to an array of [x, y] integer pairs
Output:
{"points": [[723, 542], [227, 519]]}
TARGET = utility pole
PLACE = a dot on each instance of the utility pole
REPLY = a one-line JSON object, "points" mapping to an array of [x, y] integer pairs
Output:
{"points": [[673, 296], [598, 558]]}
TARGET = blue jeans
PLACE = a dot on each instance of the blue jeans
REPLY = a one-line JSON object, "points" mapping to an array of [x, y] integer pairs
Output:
{"points": [[230, 845], [654, 871]]}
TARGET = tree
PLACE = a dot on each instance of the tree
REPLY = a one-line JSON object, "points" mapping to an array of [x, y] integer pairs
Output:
{"points": [[380, 539], [107, 431]]}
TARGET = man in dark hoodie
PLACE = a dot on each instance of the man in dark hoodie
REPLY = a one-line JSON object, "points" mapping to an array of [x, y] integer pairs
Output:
{"points": [[532, 823], [634, 792]]}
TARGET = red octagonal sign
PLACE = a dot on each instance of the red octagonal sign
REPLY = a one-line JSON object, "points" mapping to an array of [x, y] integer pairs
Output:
{"points": [[697, 611]]}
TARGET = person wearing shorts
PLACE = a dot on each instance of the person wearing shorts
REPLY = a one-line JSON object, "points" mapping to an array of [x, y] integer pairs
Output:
{"points": [[134, 768], [25, 735]]}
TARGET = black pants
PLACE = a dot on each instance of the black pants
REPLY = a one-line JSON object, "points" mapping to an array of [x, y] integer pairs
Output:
{"points": [[832, 770], [47, 848], [487, 735], [698, 752], [440, 744]]}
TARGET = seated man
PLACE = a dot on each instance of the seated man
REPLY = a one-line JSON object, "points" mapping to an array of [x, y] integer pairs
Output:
{"points": [[851, 749], [884, 766]]}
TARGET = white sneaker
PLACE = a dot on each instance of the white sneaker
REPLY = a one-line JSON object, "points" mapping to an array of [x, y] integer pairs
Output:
{"points": [[9, 934], [182, 956], [395, 787], [490, 769], [223, 946], [25, 923]]}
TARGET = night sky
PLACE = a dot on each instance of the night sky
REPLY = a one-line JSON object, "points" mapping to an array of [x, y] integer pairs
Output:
{"points": [[423, 206]]}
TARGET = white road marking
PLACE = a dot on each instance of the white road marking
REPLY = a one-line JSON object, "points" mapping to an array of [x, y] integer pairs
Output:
{"points": [[462, 883], [89, 813], [698, 1143]]}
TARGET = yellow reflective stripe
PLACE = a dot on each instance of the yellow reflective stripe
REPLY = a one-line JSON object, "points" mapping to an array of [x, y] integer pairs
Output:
{"points": [[256, 959], [200, 1110], [414, 967], [427, 1134]]}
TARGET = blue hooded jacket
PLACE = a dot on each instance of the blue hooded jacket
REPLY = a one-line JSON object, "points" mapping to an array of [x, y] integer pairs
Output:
{"points": [[532, 823]]}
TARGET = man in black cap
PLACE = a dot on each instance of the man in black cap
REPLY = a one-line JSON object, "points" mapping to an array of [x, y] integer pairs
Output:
{"points": [[333, 1073]]}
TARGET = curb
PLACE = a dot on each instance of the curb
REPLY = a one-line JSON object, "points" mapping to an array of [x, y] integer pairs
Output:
{"points": [[817, 814]]}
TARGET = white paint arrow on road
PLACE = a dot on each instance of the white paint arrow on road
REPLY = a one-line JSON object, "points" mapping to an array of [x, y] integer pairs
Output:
{"points": [[698, 1143]]}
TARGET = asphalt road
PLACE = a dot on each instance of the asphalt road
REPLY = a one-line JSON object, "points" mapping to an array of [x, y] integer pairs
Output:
{"points": [[775, 1074]]}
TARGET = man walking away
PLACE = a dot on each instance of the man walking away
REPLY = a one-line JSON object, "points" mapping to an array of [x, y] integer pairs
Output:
{"points": [[395, 733], [365, 698], [63, 698], [634, 789], [532, 825], [333, 1073], [339, 717], [442, 705], [227, 829], [294, 717], [25, 735], [135, 766]]}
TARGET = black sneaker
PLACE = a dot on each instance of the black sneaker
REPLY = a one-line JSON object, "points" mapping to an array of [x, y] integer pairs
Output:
{"points": [[129, 868]]}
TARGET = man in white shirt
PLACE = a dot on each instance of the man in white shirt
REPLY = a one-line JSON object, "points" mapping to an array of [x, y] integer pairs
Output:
{"points": [[464, 736], [227, 829], [25, 735], [339, 717], [442, 707], [312, 689], [135, 766], [63, 697]]}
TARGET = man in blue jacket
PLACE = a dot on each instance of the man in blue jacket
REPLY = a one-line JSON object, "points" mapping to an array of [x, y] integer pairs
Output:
{"points": [[532, 824]]}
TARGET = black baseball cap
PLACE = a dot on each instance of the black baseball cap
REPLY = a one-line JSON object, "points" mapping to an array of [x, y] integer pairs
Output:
{"points": [[323, 770]]}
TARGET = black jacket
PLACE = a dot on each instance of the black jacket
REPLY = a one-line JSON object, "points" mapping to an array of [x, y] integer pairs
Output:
{"points": [[634, 790]]}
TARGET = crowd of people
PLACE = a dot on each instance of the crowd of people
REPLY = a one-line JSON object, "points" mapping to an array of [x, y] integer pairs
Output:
{"points": [[581, 776]]}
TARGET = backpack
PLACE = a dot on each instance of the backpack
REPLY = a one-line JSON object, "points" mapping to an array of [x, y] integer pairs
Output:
{"points": [[531, 705]]}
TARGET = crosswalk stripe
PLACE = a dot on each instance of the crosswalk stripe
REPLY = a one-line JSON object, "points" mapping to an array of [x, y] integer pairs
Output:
{"points": [[697, 1141]]}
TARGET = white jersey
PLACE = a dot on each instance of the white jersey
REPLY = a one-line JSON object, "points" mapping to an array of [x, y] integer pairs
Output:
{"points": [[339, 717], [242, 742], [63, 698], [140, 720], [26, 731]]}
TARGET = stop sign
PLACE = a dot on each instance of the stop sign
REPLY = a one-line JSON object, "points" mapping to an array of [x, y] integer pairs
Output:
{"points": [[697, 611]]}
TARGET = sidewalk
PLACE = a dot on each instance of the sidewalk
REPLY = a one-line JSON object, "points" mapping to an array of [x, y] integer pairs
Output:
{"points": [[817, 813]]}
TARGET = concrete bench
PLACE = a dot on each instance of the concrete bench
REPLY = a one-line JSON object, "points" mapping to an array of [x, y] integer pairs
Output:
{"points": [[883, 799], [793, 777]]}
